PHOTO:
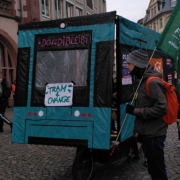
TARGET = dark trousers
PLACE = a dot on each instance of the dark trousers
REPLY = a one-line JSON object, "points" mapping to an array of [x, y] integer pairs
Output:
{"points": [[140, 139], [154, 147], [14, 98], [2, 111]]}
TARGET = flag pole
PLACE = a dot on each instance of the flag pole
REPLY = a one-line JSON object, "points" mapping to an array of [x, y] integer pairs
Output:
{"points": [[115, 144]]}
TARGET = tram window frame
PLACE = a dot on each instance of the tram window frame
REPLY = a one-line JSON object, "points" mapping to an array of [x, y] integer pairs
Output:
{"points": [[81, 89]]}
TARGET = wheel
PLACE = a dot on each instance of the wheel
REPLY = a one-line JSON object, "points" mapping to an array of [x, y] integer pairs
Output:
{"points": [[82, 166]]}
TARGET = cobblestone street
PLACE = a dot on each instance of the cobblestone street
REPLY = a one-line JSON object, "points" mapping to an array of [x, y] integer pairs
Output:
{"points": [[40, 162]]}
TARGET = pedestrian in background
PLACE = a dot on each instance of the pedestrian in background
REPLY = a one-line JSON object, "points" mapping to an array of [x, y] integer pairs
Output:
{"points": [[149, 112], [178, 127], [178, 122], [5, 92], [178, 118], [13, 89]]}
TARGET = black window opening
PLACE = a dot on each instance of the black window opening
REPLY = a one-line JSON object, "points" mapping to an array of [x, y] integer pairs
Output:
{"points": [[61, 60]]}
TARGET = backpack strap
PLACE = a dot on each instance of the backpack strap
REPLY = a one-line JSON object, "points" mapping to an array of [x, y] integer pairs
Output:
{"points": [[147, 83]]}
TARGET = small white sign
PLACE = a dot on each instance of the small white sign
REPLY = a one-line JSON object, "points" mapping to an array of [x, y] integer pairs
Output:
{"points": [[126, 80], [59, 94]]}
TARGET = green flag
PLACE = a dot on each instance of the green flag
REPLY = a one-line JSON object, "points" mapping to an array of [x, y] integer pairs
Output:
{"points": [[169, 41]]}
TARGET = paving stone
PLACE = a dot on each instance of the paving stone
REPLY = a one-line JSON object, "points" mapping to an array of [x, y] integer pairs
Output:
{"points": [[41, 162]]}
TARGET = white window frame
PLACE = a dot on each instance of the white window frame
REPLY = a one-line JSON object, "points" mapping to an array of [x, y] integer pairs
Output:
{"points": [[154, 26], [57, 10], [161, 23], [69, 9], [173, 3], [80, 11], [46, 9], [154, 10], [92, 5]]}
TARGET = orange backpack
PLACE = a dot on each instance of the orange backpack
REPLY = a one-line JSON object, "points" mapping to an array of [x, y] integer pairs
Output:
{"points": [[171, 98]]}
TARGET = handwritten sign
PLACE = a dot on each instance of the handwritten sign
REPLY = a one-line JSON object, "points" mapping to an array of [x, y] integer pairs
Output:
{"points": [[59, 94]]}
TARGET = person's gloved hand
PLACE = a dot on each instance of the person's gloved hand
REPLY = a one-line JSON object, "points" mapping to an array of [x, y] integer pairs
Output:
{"points": [[130, 109]]}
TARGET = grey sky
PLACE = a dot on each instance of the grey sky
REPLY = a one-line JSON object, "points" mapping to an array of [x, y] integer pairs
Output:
{"points": [[129, 9]]}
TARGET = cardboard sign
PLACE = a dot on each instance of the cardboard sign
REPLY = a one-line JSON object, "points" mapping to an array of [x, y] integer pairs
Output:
{"points": [[59, 94]]}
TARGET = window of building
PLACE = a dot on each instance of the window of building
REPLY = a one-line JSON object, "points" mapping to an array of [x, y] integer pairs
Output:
{"points": [[154, 10], [78, 11], [167, 19], [95, 3], [69, 10], [160, 23], [104, 6], [100, 6], [90, 4], [6, 68], [6, 7], [173, 2], [2, 56], [159, 5], [57, 9], [45, 7], [154, 26]]}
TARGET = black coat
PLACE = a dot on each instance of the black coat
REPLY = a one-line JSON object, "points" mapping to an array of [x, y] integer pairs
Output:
{"points": [[4, 98]]}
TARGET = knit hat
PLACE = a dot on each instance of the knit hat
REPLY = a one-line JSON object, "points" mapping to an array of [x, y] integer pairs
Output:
{"points": [[139, 58]]}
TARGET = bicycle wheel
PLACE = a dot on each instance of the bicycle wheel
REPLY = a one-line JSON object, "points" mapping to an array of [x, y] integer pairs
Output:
{"points": [[82, 166]]}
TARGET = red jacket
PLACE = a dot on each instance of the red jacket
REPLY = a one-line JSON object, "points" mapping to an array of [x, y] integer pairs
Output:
{"points": [[13, 87]]}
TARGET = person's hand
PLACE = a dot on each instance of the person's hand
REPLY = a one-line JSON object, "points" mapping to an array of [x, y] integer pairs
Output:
{"points": [[130, 109]]}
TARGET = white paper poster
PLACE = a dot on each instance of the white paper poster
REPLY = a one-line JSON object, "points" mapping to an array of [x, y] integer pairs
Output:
{"points": [[59, 94], [126, 77]]}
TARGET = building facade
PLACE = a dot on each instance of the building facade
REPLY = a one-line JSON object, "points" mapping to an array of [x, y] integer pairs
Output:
{"points": [[157, 14], [15, 12]]}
